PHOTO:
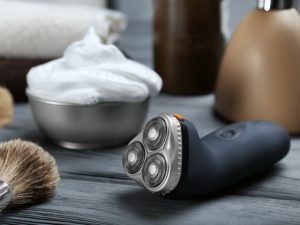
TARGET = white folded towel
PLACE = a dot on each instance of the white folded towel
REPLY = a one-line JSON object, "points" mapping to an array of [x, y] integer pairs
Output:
{"points": [[43, 30]]}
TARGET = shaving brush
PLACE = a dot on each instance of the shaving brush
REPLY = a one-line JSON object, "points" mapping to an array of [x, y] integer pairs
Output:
{"points": [[6, 106], [28, 174]]}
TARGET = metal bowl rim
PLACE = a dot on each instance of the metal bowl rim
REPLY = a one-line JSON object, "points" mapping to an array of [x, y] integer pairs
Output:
{"points": [[50, 102]]}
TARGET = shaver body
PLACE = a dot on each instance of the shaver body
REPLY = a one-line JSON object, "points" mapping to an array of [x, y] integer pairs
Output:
{"points": [[193, 166], [228, 155]]}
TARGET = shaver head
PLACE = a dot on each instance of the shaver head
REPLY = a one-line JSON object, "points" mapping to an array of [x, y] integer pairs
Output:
{"points": [[154, 157]]}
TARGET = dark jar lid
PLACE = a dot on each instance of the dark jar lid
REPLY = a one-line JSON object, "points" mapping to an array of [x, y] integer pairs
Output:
{"points": [[268, 5]]}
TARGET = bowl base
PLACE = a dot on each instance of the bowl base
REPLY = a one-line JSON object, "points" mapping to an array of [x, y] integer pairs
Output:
{"points": [[78, 146]]}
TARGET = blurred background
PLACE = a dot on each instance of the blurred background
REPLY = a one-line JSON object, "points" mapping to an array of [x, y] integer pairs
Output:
{"points": [[140, 15], [20, 50]]}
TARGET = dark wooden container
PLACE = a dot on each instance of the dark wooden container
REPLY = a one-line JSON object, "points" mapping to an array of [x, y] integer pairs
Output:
{"points": [[188, 45], [13, 75]]}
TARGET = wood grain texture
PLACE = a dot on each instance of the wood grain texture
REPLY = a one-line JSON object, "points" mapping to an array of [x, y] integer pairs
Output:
{"points": [[95, 190], [188, 45]]}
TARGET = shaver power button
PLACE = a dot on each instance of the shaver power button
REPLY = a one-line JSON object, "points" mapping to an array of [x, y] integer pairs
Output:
{"points": [[178, 116], [227, 134]]}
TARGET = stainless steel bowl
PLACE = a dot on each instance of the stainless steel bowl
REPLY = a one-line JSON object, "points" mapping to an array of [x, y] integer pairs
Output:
{"points": [[89, 126]]}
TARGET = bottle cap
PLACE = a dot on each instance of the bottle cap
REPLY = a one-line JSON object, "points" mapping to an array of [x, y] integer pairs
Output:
{"points": [[268, 5]]}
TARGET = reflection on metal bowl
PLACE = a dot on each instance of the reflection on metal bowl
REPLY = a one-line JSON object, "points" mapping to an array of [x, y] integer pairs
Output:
{"points": [[89, 126]]}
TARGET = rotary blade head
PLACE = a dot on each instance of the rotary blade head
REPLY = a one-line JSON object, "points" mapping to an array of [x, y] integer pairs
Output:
{"points": [[154, 157]]}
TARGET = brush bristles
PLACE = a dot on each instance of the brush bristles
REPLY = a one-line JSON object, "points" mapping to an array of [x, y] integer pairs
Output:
{"points": [[29, 171]]}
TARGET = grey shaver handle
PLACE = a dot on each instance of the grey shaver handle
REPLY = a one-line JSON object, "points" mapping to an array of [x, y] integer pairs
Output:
{"points": [[228, 155]]}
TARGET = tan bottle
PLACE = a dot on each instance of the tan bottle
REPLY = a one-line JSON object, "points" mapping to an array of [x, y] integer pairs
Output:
{"points": [[259, 76]]}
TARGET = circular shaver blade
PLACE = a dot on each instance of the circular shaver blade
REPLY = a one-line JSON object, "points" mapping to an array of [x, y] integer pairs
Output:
{"points": [[155, 133], [133, 157], [154, 170]]}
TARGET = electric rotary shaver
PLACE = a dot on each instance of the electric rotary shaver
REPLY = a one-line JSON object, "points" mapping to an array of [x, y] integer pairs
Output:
{"points": [[170, 159]]}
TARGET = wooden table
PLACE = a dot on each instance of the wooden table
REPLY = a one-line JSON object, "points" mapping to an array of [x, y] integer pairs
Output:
{"points": [[95, 190]]}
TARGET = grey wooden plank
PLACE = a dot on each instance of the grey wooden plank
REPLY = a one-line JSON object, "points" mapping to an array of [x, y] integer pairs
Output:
{"points": [[90, 202], [283, 182], [94, 189]]}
